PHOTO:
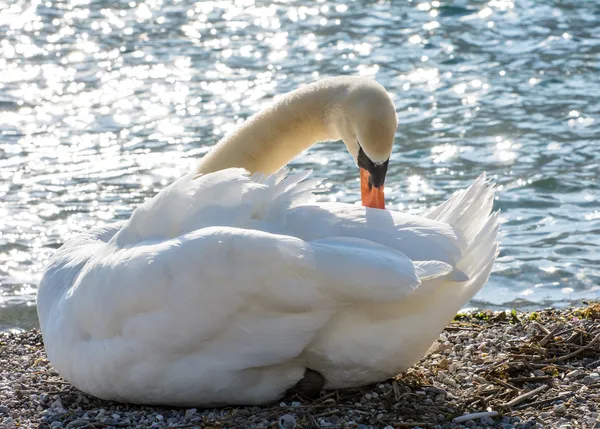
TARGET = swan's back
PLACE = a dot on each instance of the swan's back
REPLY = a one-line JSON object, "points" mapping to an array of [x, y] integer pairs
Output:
{"points": [[223, 288]]}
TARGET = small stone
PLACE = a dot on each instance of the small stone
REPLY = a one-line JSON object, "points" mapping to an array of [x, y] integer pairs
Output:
{"points": [[56, 424], [4, 409], [77, 423], [595, 375], [487, 421], [539, 373], [435, 347], [573, 374], [449, 381], [189, 413], [588, 380], [560, 410], [57, 404], [287, 421]]}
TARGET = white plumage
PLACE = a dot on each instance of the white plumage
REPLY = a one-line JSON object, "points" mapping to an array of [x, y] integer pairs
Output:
{"points": [[224, 288]]}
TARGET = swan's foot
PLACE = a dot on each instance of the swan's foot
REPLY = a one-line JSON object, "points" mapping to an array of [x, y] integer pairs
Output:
{"points": [[311, 385]]}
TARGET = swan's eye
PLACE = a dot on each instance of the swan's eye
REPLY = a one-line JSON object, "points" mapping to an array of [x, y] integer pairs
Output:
{"points": [[364, 161]]}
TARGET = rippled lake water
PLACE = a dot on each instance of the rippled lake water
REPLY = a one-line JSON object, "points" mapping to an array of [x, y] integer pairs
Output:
{"points": [[103, 103]]}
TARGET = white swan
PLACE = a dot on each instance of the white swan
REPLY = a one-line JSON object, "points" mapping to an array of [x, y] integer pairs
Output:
{"points": [[227, 288]]}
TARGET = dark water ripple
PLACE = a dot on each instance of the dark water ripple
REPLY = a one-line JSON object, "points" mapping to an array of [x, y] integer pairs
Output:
{"points": [[102, 103]]}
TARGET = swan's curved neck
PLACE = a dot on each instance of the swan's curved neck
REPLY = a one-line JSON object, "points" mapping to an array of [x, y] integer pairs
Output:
{"points": [[271, 138]]}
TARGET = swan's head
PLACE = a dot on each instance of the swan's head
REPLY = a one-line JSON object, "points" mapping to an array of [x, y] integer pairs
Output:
{"points": [[367, 124]]}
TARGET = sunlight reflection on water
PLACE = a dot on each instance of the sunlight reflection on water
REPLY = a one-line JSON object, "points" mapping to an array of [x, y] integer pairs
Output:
{"points": [[104, 103]]}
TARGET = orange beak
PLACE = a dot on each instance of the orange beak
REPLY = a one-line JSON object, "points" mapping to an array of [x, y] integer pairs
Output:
{"points": [[370, 195]]}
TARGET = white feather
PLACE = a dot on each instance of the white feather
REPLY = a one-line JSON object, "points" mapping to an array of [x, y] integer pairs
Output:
{"points": [[224, 288]]}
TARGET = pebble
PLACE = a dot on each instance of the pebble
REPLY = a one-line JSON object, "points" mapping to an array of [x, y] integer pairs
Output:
{"points": [[454, 374], [560, 410], [486, 421], [287, 421], [77, 423], [449, 381], [588, 380]]}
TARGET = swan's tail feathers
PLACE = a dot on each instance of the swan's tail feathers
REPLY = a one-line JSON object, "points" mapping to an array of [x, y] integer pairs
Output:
{"points": [[469, 212]]}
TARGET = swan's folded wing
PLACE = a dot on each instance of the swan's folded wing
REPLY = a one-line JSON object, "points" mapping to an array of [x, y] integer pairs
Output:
{"points": [[419, 238], [192, 289]]}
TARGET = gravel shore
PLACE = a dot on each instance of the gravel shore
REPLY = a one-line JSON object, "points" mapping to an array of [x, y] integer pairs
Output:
{"points": [[487, 369]]}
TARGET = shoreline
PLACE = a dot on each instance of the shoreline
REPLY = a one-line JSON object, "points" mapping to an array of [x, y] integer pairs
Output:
{"points": [[487, 369]]}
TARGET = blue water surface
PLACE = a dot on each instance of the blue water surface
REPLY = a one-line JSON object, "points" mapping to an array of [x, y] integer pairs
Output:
{"points": [[103, 103]]}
